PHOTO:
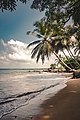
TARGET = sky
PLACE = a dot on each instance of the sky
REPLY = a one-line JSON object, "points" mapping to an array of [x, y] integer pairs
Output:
{"points": [[13, 38]]}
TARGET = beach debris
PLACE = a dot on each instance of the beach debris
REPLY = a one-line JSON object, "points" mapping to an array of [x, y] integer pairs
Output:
{"points": [[46, 117], [30, 117], [51, 106], [73, 91]]}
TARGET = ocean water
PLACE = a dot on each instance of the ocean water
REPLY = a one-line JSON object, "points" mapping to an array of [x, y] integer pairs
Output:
{"points": [[18, 87]]}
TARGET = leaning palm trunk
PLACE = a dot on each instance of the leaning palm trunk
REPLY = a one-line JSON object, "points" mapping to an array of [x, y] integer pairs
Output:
{"points": [[74, 57], [71, 55], [62, 61], [68, 59]]}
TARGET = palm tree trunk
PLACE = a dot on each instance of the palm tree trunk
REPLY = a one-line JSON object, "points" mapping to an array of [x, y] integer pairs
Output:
{"points": [[62, 61], [67, 59], [72, 56]]}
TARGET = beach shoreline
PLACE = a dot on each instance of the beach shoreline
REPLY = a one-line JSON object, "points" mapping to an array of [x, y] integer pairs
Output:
{"points": [[44, 109]]}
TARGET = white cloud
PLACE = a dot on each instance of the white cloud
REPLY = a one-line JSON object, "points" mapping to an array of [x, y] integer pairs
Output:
{"points": [[17, 55], [16, 50]]}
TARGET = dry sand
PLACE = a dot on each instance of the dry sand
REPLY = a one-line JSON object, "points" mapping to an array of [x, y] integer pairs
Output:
{"points": [[63, 106]]}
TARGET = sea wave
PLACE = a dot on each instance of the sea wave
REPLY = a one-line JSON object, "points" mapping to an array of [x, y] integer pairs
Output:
{"points": [[19, 90]]}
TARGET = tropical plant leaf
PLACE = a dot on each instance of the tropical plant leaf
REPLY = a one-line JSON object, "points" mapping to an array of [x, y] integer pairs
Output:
{"points": [[43, 57], [39, 54], [36, 47], [34, 33], [35, 50], [39, 36], [28, 32], [33, 43]]}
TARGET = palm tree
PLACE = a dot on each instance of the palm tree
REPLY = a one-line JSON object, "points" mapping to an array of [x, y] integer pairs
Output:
{"points": [[44, 46], [64, 42], [77, 47], [60, 45], [41, 50]]}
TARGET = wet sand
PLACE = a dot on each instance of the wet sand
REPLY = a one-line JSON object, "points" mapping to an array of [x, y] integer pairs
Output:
{"points": [[63, 106]]}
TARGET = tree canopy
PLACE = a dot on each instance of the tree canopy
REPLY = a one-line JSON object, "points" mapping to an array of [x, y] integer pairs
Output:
{"points": [[57, 32], [66, 8], [9, 4]]}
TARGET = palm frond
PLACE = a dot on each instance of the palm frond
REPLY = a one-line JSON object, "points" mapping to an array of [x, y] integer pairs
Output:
{"points": [[34, 53], [41, 27], [35, 50], [33, 43], [36, 30], [36, 47], [43, 57], [28, 32], [39, 54], [77, 51], [34, 33], [39, 36]]}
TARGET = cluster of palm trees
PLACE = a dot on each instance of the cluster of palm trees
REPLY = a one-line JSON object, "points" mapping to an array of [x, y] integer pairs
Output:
{"points": [[54, 37]]}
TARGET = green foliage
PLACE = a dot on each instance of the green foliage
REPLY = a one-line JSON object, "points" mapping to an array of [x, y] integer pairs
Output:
{"points": [[53, 66], [65, 9], [54, 38], [71, 63], [10, 4], [42, 47]]}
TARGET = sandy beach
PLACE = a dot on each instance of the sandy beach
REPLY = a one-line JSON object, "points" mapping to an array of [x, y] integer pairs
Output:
{"points": [[63, 106]]}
